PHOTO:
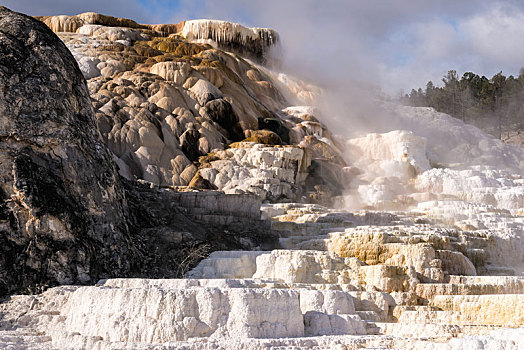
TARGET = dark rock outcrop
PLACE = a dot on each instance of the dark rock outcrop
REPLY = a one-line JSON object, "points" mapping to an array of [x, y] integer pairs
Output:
{"points": [[62, 211], [175, 230], [275, 125], [221, 112]]}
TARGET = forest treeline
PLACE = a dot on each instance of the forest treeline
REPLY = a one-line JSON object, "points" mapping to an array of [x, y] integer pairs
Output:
{"points": [[495, 105]]}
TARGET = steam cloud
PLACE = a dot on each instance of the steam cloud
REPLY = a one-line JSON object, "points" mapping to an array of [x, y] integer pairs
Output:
{"points": [[396, 45], [393, 44], [352, 49]]}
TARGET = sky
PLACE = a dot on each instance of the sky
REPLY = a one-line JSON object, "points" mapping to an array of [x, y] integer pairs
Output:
{"points": [[397, 45]]}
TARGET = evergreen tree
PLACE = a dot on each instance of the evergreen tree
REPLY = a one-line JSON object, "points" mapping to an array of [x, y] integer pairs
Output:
{"points": [[496, 104]]}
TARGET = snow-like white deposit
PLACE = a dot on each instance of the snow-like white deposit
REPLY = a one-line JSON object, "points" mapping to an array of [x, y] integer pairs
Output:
{"points": [[451, 142], [434, 156], [228, 33], [268, 172], [499, 188], [397, 145], [91, 63], [397, 153]]}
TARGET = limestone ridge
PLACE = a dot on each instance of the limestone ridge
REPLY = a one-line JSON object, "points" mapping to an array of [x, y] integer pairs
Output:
{"points": [[168, 105], [71, 24], [61, 205], [232, 36], [252, 42]]}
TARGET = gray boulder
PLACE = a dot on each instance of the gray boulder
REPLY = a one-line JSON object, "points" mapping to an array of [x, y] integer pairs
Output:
{"points": [[62, 208]]}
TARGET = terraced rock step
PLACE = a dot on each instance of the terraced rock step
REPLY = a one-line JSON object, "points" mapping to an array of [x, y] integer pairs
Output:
{"points": [[484, 309], [429, 290], [28, 340], [179, 312], [366, 286]]}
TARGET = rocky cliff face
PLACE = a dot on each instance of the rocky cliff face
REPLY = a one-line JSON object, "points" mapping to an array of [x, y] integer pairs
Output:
{"points": [[254, 43], [251, 42], [167, 104], [73, 23]]}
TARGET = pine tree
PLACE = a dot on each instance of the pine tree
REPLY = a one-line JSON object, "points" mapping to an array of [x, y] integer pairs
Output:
{"points": [[496, 104]]}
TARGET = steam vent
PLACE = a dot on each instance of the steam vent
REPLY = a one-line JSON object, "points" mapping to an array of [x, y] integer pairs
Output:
{"points": [[167, 187]]}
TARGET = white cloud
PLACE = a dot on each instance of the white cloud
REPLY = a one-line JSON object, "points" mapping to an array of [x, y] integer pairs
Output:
{"points": [[484, 42], [496, 37]]}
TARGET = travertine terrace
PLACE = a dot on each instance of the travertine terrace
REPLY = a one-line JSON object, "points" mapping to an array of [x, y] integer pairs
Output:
{"points": [[408, 239]]}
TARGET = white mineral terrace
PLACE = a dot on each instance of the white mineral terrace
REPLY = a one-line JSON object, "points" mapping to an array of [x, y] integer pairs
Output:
{"points": [[443, 271], [358, 280]]}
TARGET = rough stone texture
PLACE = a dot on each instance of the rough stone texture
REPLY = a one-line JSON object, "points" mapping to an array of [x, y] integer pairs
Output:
{"points": [[271, 173], [63, 212], [175, 230], [181, 314], [163, 102], [318, 323], [158, 128]]}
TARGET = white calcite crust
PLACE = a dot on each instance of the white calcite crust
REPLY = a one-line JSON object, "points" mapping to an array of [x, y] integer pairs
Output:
{"points": [[267, 171], [176, 72], [433, 156], [223, 32], [399, 151], [443, 269], [180, 314], [488, 186]]}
